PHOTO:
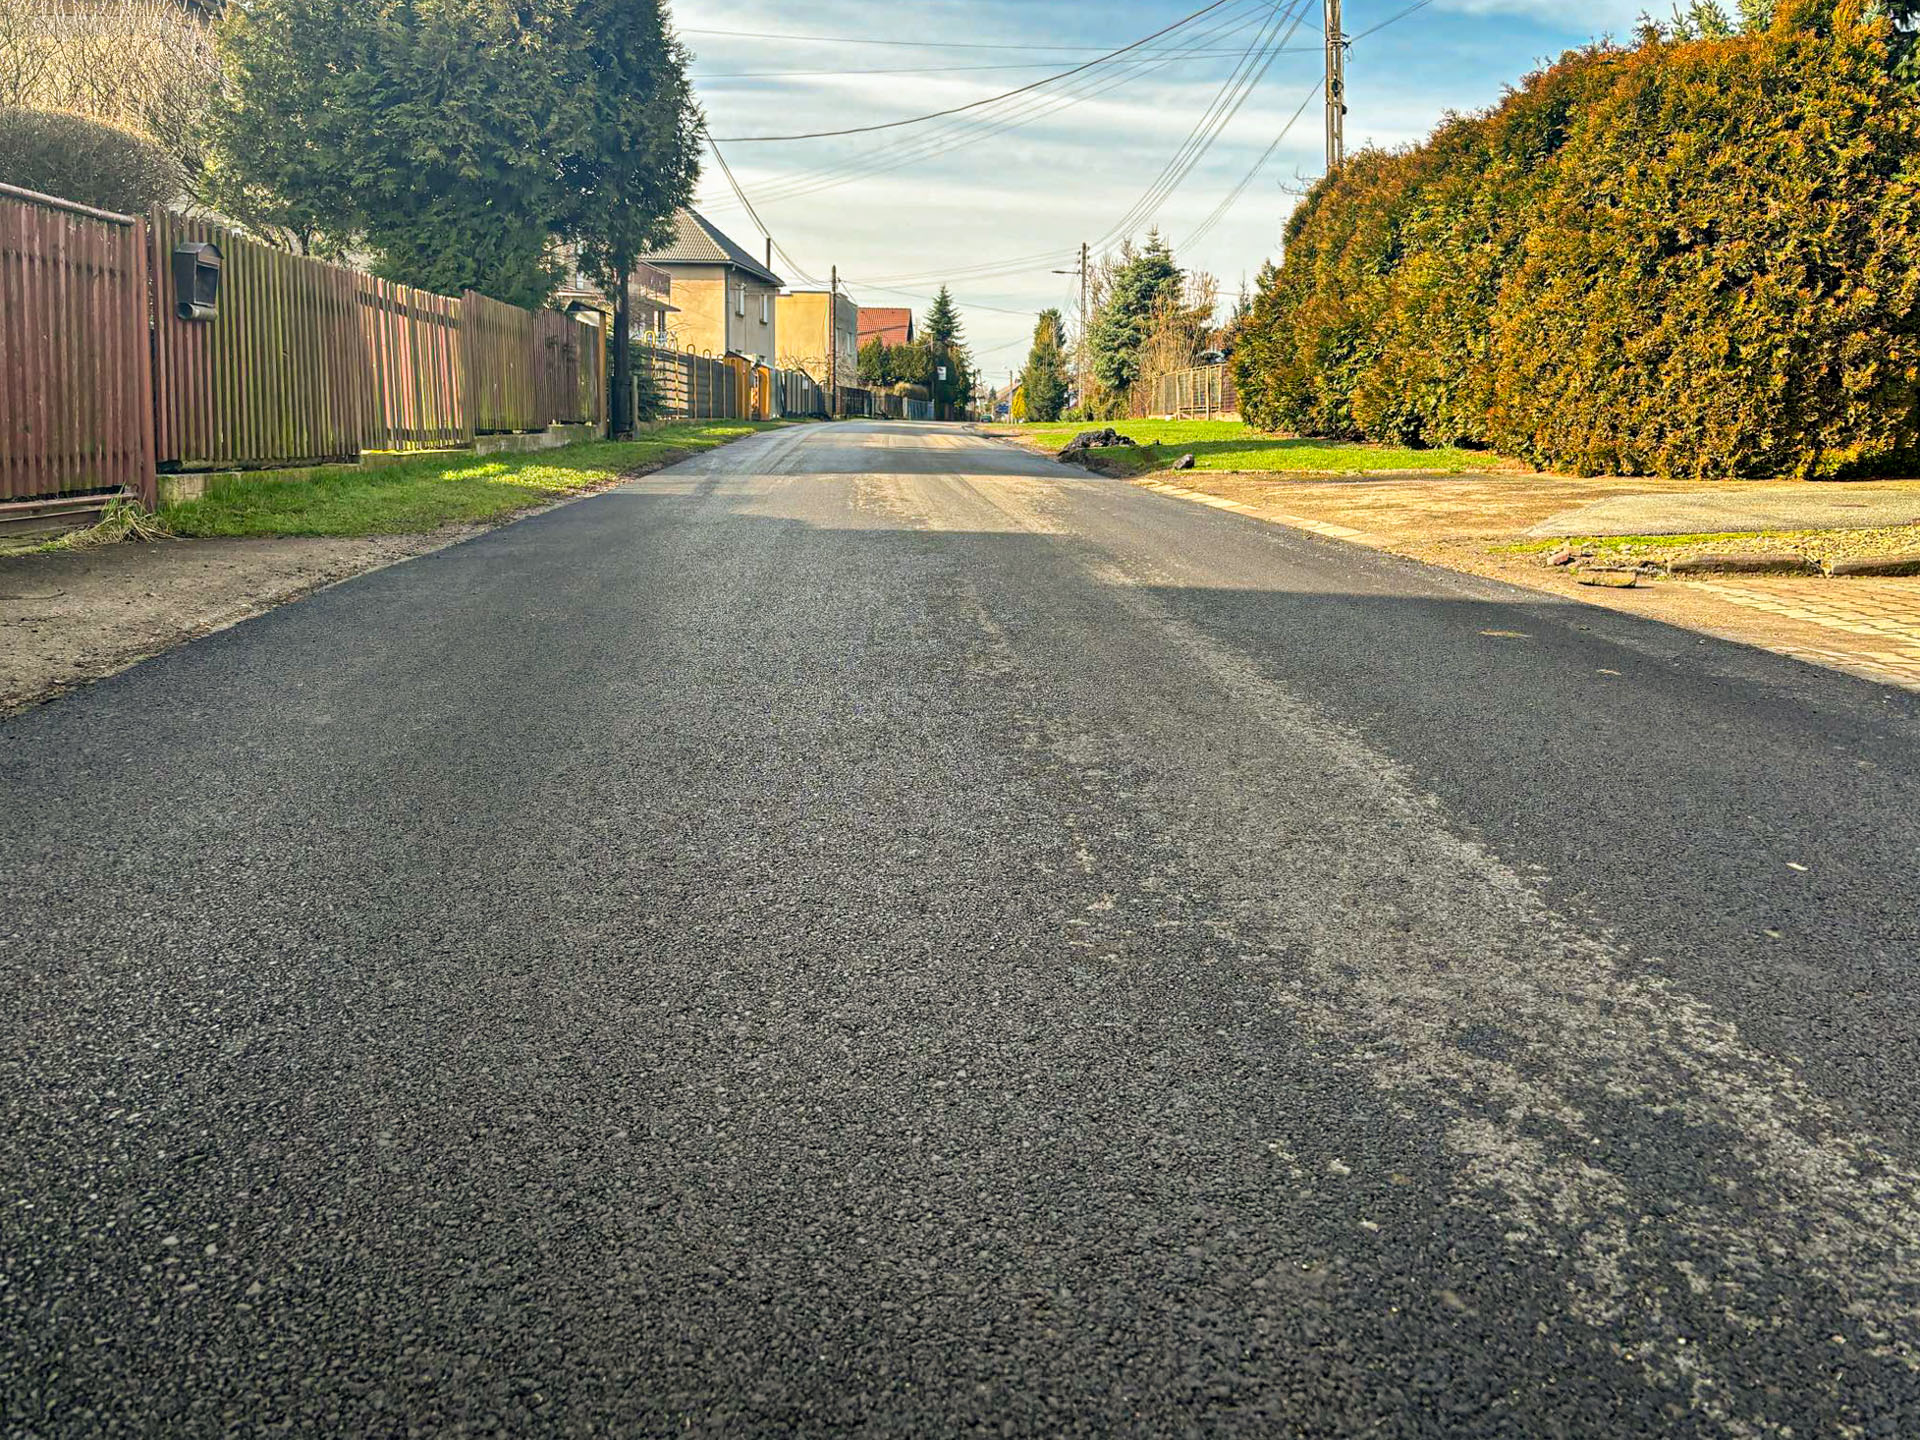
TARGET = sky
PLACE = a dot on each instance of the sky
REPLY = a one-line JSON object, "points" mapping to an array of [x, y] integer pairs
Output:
{"points": [[996, 210]]}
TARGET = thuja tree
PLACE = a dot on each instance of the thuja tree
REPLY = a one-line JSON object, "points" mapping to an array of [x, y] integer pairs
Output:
{"points": [[429, 131], [1739, 293], [877, 363], [1694, 256], [1043, 384]]}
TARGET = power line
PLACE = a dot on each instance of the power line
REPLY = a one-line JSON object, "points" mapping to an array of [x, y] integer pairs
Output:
{"points": [[1218, 113], [1022, 113], [1220, 211], [1208, 129], [1205, 227], [1255, 61], [727, 170], [1390, 20], [977, 104], [1024, 47], [1199, 139], [943, 69], [851, 280]]}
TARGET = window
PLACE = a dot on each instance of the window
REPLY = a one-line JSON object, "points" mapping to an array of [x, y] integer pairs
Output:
{"points": [[740, 302], [766, 306]]}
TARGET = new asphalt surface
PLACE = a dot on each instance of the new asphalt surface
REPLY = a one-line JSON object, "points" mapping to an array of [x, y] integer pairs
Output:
{"points": [[871, 932]]}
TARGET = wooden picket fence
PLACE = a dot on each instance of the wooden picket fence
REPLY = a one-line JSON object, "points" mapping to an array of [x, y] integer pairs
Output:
{"points": [[103, 381], [499, 341], [569, 371], [304, 362], [416, 366]]}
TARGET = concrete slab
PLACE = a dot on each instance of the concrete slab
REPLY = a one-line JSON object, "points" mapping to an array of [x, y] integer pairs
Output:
{"points": [[1740, 508]]}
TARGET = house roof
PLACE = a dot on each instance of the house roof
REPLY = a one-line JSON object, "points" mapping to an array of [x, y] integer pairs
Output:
{"points": [[888, 321], [698, 241]]}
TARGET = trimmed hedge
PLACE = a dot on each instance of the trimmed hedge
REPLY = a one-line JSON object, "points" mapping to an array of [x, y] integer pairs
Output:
{"points": [[1694, 258], [87, 161]]}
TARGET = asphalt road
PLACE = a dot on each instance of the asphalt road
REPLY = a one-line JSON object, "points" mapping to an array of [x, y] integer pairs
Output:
{"points": [[870, 932]]}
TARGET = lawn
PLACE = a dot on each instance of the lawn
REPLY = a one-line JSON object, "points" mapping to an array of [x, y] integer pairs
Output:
{"points": [[1232, 445], [425, 494]]}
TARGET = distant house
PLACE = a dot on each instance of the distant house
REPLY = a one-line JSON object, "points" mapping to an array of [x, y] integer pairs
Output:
{"points": [[726, 298], [650, 306], [805, 344], [891, 324]]}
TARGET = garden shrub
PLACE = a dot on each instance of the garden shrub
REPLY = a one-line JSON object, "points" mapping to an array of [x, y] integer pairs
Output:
{"points": [[1690, 257], [86, 161]]}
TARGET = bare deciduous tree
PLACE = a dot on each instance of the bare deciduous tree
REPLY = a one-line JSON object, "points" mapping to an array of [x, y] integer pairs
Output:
{"points": [[1179, 329], [146, 65]]}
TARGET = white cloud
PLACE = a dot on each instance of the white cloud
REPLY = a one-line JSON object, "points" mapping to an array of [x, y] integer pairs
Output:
{"points": [[1069, 176], [1598, 17]]}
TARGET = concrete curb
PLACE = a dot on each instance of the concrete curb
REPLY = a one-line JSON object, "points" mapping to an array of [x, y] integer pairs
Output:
{"points": [[1783, 562], [1877, 565]]}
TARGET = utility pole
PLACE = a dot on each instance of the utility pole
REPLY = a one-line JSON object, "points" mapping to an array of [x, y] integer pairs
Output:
{"points": [[833, 347], [1080, 350], [1336, 88]]}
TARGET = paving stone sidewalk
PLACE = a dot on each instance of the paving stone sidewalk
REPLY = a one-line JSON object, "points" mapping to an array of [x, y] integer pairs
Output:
{"points": [[1868, 627]]}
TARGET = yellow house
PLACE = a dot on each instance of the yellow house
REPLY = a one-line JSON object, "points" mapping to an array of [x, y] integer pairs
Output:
{"points": [[726, 299], [805, 344]]}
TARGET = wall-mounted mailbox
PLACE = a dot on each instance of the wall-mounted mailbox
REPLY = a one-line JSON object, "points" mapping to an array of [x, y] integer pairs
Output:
{"points": [[196, 280]]}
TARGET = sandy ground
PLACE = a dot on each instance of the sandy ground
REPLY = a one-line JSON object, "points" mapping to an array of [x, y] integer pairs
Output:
{"points": [[71, 616]]}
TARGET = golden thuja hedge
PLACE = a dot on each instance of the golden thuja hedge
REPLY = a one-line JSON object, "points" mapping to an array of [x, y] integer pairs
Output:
{"points": [[1696, 258]]}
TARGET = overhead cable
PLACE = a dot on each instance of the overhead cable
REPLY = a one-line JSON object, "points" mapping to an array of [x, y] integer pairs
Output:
{"points": [[977, 104], [1023, 112]]}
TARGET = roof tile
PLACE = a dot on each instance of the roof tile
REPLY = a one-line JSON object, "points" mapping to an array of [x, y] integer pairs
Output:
{"points": [[698, 241]]}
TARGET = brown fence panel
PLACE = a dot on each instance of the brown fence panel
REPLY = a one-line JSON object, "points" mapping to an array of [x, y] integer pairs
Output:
{"points": [[276, 377], [500, 365], [566, 370], [74, 356], [594, 360], [669, 375], [415, 365]]}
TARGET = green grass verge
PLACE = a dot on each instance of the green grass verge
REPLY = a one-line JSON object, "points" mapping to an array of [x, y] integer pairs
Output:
{"points": [[1233, 445], [1604, 543], [425, 494]]}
